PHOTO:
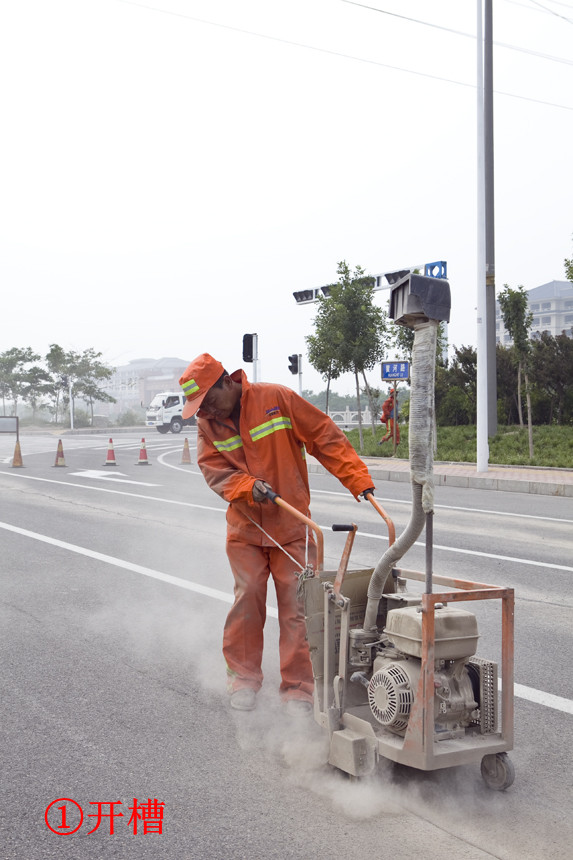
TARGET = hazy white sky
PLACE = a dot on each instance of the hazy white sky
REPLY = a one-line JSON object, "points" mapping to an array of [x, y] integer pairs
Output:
{"points": [[172, 170]]}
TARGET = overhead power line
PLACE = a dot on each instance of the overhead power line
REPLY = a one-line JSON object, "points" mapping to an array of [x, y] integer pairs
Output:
{"points": [[332, 53], [567, 60], [551, 11]]}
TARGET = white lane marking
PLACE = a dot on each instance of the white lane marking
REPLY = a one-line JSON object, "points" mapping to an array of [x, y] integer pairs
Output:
{"points": [[128, 565], [558, 703], [132, 446], [476, 553], [106, 476], [540, 697], [455, 508], [472, 552], [161, 459], [124, 446], [118, 492]]}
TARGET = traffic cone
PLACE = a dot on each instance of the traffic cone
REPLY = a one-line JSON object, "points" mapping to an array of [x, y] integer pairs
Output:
{"points": [[110, 459], [143, 461], [186, 455], [17, 461], [60, 455]]}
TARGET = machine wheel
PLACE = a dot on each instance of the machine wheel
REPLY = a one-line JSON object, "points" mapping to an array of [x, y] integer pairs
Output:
{"points": [[176, 425], [162, 428], [497, 771]]}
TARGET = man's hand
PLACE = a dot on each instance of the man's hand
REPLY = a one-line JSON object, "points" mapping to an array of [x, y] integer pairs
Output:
{"points": [[366, 493], [260, 491]]}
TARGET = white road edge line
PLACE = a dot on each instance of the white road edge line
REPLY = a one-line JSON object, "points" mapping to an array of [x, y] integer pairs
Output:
{"points": [[455, 508], [128, 565], [369, 535], [539, 697]]}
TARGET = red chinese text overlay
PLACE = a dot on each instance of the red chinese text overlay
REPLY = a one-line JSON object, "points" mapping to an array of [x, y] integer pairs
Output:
{"points": [[65, 816]]}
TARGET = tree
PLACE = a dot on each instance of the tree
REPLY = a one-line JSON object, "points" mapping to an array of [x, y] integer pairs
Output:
{"points": [[323, 345], [76, 375], [517, 320], [552, 361], [35, 386], [57, 363], [88, 374], [506, 374], [356, 327], [14, 374], [568, 268], [456, 388]]}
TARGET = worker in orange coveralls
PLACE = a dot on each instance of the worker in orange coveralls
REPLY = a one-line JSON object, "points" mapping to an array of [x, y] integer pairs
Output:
{"points": [[388, 419], [252, 436]]}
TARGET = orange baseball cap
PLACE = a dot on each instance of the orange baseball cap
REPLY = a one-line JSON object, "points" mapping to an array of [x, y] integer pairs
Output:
{"points": [[197, 379]]}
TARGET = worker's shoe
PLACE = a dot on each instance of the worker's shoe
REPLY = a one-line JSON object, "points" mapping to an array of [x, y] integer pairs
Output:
{"points": [[298, 708], [244, 699]]}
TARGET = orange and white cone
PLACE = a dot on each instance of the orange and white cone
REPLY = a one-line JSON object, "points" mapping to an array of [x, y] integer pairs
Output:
{"points": [[60, 461], [186, 455], [110, 459], [17, 460], [143, 461]]}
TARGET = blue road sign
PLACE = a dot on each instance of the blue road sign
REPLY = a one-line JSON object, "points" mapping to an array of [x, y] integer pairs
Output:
{"points": [[395, 370]]}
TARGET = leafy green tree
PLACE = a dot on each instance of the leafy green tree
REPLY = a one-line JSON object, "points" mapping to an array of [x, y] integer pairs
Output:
{"points": [[456, 387], [375, 400], [322, 346], [552, 364], [517, 320], [506, 373], [89, 373], [14, 372], [57, 363], [76, 375], [35, 386], [568, 268], [355, 327]]}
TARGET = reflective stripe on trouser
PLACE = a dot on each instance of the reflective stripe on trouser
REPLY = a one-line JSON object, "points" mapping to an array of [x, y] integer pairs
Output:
{"points": [[243, 635], [390, 430]]}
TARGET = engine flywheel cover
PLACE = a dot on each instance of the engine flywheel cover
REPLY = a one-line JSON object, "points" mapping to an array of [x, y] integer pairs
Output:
{"points": [[390, 697]]}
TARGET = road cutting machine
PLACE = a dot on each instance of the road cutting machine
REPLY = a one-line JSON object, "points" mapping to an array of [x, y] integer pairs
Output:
{"points": [[396, 671]]}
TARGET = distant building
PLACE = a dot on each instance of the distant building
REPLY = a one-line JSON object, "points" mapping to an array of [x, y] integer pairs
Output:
{"points": [[134, 385], [552, 308]]}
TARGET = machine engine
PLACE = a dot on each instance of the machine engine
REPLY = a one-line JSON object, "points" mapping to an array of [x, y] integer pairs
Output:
{"points": [[465, 686]]}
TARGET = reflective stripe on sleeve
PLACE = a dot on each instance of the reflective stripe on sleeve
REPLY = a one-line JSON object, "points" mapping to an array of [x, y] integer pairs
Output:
{"points": [[230, 444], [269, 427]]}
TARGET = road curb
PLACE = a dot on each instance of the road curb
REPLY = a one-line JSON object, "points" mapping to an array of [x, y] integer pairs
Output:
{"points": [[471, 482]]}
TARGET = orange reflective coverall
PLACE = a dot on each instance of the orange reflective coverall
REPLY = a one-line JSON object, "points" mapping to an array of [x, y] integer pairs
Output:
{"points": [[387, 418], [276, 428]]}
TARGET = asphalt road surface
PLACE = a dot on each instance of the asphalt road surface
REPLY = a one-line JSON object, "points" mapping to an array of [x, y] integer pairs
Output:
{"points": [[114, 590]]}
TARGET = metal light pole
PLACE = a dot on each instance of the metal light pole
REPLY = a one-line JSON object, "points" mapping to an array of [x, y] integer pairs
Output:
{"points": [[489, 221], [70, 395], [482, 455], [256, 368]]}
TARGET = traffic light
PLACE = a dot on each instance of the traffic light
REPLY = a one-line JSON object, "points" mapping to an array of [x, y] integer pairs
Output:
{"points": [[304, 296], [248, 347], [293, 363], [394, 277]]}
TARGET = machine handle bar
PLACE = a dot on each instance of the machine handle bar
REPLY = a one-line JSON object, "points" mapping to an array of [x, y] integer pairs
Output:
{"points": [[277, 500]]}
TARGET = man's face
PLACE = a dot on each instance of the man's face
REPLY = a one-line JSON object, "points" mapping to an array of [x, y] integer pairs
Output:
{"points": [[218, 403]]}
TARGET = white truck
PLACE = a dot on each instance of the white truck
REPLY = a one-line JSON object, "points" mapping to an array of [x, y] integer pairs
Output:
{"points": [[165, 412]]}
